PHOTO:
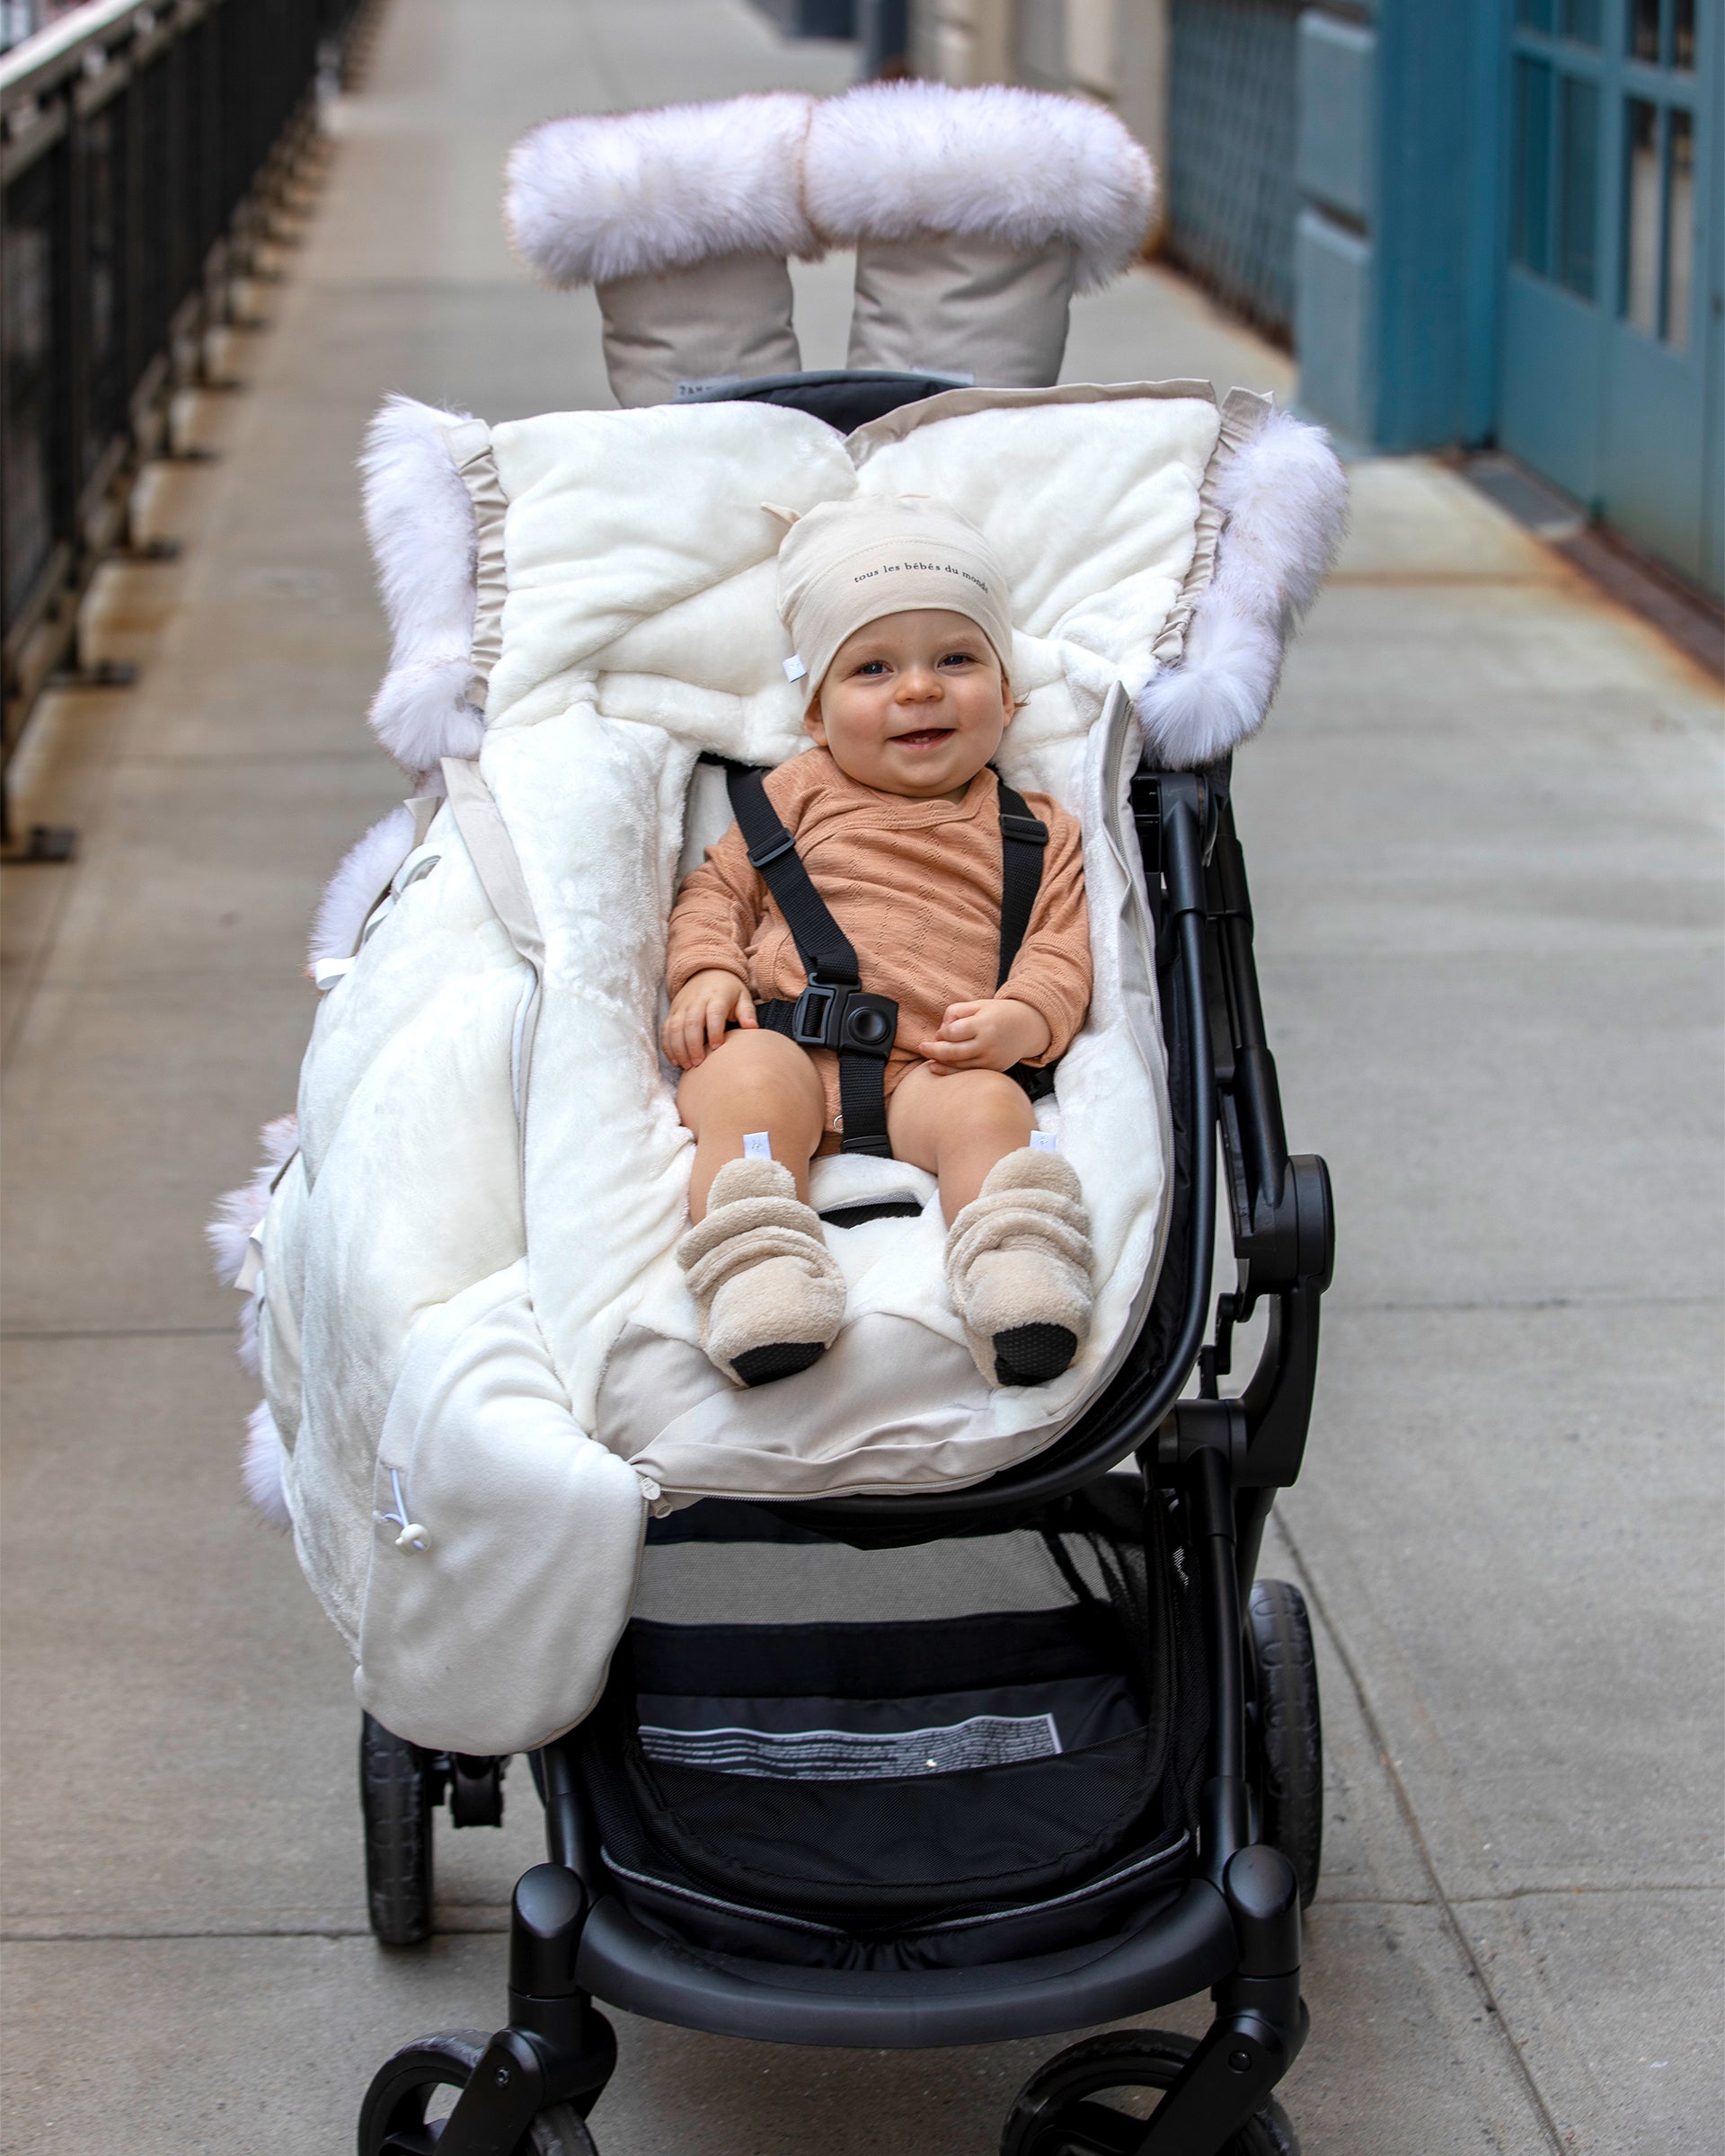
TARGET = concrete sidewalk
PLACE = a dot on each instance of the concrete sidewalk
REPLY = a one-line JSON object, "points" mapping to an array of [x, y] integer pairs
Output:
{"points": [[1484, 831]]}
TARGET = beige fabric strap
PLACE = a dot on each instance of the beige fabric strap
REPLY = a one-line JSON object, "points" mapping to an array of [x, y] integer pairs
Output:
{"points": [[470, 450], [1243, 412], [495, 862], [423, 808]]}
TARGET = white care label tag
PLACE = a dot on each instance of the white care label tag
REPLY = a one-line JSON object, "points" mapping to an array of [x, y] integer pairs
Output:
{"points": [[794, 668], [1044, 1141], [756, 1146]]}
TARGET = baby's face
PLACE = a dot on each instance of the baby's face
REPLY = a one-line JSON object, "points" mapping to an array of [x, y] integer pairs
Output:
{"points": [[915, 703]]}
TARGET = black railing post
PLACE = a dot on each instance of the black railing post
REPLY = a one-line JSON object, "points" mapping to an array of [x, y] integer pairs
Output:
{"points": [[128, 149]]}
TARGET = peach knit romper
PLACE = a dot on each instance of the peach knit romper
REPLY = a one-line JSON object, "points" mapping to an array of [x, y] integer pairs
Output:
{"points": [[916, 886]]}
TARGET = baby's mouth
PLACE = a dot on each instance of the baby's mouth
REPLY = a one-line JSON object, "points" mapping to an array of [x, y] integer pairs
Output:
{"points": [[927, 736]]}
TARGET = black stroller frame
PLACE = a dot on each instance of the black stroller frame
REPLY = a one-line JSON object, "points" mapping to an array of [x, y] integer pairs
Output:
{"points": [[1214, 1461]]}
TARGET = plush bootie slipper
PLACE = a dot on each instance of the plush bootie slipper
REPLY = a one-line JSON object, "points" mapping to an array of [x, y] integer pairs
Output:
{"points": [[1018, 1262], [770, 1295]]}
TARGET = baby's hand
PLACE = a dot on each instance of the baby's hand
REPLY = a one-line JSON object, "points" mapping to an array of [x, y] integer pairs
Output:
{"points": [[991, 1035], [698, 1015]]}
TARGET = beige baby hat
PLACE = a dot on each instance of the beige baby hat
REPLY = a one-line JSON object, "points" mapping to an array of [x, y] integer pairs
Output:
{"points": [[847, 563], [975, 215], [682, 219]]}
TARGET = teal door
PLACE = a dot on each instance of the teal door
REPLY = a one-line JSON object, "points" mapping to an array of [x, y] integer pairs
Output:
{"points": [[1611, 354]]}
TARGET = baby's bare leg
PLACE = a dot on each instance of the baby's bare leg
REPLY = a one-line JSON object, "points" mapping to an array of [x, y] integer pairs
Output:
{"points": [[958, 1126], [752, 1080]]}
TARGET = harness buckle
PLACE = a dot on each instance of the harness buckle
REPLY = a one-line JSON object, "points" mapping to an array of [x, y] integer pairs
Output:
{"points": [[813, 1019], [849, 1019], [781, 842], [1028, 830]]}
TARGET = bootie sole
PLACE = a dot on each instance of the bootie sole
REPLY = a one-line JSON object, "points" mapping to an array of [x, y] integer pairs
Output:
{"points": [[1030, 1355], [761, 1365]]}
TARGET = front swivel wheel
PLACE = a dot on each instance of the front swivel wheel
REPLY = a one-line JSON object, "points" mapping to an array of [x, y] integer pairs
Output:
{"points": [[412, 2094], [1097, 2097]]}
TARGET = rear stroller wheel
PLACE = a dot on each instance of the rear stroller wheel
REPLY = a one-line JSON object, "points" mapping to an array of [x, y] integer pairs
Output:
{"points": [[1290, 1737], [396, 1798], [411, 2093], [1089, 2101]]}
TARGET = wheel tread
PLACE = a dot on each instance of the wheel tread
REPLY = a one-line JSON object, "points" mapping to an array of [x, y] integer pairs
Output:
{"points": [[1290, 1728], [394, 1800], [1055, 2102]]}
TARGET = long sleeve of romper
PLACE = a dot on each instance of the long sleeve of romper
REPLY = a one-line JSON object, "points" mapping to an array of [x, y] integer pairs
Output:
{"points": [[717, 912], [1052, 970]]}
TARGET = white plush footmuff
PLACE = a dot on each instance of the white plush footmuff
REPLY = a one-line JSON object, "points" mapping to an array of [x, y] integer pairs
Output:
{"points": [[483, 1360]]}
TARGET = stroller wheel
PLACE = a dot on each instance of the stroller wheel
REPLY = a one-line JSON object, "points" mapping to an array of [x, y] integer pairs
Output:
{"points": [[412, 2093], [395, 1798], [1290, 1737], [1095, 2098]]}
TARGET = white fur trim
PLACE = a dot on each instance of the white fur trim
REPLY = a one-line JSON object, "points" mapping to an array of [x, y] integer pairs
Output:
{"points": [[629, 194], [364, 876], [261, 1462], [896, 160], [1285, 499], [238, 1212], [420, 520]]}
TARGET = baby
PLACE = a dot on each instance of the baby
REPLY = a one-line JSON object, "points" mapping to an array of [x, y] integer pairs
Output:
{"points": [[899, 610]]}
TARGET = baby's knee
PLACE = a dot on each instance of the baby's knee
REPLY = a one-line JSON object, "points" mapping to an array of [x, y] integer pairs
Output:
{"points": [[752, 1064], [986, 1099]]}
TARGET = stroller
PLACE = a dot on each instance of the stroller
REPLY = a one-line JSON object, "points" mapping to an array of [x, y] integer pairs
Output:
{"points": [[892, 1740], [833, 1828]]}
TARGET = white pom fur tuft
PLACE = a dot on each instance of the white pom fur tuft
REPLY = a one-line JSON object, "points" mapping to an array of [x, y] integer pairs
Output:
{"points": [[896, 160], [238, 1212], [261, 1463], [1284, 496], [420, 520], [357, 886], [1285, 499], [597, 198]]}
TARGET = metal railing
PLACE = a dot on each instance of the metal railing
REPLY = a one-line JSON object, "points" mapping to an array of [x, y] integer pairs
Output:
{"points": [[141, 145], [21, 19]]}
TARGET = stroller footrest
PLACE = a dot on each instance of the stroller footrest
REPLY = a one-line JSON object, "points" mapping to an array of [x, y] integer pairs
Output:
{"points": [[1186, 1948]]}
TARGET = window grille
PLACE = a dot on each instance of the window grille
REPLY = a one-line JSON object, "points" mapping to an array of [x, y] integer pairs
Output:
{"points": [[1231, 197]]}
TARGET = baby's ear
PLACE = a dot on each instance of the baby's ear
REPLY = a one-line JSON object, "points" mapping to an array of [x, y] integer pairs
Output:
{"points": [[813, 724]]}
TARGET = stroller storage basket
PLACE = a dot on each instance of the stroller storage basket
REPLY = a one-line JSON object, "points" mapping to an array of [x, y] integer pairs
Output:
{"points": [[1001, 1753]]}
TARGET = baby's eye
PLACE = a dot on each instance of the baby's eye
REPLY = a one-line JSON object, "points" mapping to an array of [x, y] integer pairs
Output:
{"points": [[959, 659], [873, 666]]}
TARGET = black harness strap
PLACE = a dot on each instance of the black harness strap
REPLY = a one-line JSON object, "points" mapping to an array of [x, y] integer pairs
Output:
{"points": [[1022, 837], [834, 1011], [821, 943], [1022, 840]]}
